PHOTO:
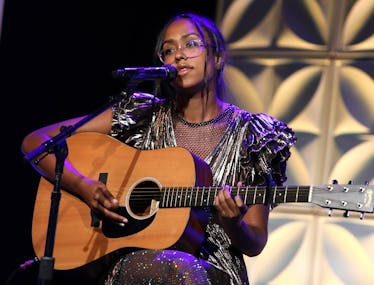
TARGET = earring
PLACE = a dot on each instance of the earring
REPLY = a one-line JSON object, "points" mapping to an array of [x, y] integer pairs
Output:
{"points": [[219, 65]]}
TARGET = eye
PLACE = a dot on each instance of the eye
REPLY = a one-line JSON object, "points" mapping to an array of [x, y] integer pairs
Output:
{"points": [[193, 43], [168, 51]]}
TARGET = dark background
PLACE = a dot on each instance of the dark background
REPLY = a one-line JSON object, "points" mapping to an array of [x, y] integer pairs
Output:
{"points": [[56, 59]]}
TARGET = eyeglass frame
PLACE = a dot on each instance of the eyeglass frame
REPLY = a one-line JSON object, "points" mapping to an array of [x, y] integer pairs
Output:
{"points": [[182, 48]]}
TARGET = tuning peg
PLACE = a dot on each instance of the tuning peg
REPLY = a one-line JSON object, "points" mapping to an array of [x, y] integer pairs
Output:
{"points": [[346, 214], [362, 215], [330, 212]]}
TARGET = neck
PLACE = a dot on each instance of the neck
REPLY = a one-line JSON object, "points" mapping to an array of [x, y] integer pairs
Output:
{"points": [[200, 106], [198, 109]]}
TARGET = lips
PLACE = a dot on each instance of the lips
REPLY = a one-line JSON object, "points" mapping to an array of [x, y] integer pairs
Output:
{"points": [[183, 70]]}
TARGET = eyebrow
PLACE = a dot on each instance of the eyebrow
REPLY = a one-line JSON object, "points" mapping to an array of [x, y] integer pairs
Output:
{"points": [[182, 38]]}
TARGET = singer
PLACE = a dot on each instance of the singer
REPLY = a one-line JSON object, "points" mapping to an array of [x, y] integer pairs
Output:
{"points": [[230, 147]]}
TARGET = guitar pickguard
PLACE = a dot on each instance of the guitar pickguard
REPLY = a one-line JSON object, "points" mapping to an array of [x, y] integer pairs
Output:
{"points": [[113, 230]]}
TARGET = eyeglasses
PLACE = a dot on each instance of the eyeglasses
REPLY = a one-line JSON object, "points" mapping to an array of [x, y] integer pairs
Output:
{"points": [[192, 48]]}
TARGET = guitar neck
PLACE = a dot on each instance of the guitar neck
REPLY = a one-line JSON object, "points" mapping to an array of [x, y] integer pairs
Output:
{"points": [[174, 197]]}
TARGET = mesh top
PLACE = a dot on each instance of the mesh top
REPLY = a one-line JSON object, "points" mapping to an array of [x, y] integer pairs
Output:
{"points": [[201, 138]]}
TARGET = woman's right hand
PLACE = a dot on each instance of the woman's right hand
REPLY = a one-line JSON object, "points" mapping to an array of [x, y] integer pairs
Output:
{"points": [[98, 197]]}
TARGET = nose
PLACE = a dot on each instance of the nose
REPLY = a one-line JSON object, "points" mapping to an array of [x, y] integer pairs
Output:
{"points": [[179, 54]]}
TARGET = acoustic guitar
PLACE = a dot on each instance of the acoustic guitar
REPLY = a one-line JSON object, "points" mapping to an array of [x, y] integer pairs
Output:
{"points": [[156, 190]]}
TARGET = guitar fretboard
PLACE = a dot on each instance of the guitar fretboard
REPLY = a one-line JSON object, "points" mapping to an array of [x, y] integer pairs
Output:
{"points": [[174, 197]]}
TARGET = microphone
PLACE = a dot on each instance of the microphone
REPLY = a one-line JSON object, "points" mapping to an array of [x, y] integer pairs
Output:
{"points": [[167, 72]]}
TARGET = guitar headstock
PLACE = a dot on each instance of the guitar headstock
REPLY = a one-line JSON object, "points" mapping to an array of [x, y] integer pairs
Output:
{"points": [[346, 197]]}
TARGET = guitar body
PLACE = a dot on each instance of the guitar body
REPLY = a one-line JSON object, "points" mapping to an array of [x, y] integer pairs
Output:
{"points": [[77, 242]]}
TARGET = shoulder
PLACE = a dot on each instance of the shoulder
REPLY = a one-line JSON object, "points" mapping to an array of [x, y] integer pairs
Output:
{"points": [[263, 119], [263, 128]]}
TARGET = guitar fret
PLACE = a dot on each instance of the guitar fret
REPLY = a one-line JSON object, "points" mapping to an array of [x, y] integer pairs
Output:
{"points": [[254, 196], [166, 197], [208, 198], [245, 195], [274, 194], [297, 193], [175, 197], [162, 198], [191, 192], [264, 197], [179, 197], [171, 197], [185, 197], [310, 193], [196, 196], [190, 197], [172, 204], [202, 197], [285, 194], [206, 195]]}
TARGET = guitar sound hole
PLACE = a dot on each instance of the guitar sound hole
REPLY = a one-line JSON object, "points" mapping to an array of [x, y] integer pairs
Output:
{"points": [[142, 204], [144, 197]]}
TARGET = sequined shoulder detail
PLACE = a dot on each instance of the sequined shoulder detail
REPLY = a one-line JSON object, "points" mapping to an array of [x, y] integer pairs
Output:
{"points": [[251, 145], [264, 129], [133, 117]]}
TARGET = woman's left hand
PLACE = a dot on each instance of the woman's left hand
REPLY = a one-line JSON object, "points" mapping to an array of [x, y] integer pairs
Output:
{"points": [[229, 207]]}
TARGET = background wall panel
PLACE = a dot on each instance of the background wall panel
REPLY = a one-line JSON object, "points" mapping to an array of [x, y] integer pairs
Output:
{"points": [[310, 64]]}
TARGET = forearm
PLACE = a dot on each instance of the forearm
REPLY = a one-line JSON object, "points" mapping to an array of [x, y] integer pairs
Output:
{"points": [[46, 166], [249, 234]]}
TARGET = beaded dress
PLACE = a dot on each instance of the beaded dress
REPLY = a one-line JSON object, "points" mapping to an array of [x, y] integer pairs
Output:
{"points": [[238, 146]]}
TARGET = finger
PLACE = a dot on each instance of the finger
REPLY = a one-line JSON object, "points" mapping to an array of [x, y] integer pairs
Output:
{"points": [[227, 192], [225, 199], [106, 204], [115, 217], [109, 201], [239, 203]]}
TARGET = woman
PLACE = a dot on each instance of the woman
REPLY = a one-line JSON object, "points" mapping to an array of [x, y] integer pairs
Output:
{"points": [[240, 148]]}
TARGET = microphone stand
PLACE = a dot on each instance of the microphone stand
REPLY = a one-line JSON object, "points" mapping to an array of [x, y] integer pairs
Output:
{"points": [[58, 146]]}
